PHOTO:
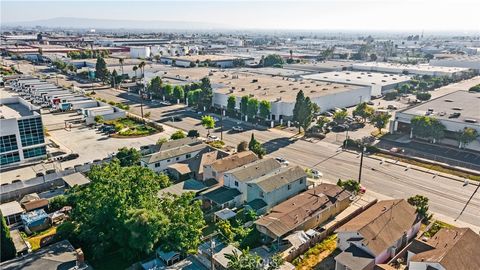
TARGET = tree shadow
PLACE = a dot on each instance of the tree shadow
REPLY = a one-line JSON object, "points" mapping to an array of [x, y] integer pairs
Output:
{"points": [[275, 144]]}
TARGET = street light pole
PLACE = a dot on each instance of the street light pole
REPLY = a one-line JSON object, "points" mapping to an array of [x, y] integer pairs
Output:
{"points": [[361, 164], [141, 98], [221, 125]]}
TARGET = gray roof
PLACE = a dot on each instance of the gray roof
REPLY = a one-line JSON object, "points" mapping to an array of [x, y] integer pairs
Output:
{"points": [[279, 178], [177, 143], [354, 258], [189, 185], [75, 179], [174, 152], [255, 169], [222, 194], [11, 208], [59, 256]]}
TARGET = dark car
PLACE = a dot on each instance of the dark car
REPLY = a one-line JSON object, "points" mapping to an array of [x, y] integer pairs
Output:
{"points": [[50, 171], [16, 181], [70, 157], [339, 128], [39, 174]]}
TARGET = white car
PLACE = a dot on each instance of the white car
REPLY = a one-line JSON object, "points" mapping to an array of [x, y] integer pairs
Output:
{"points": [[316, 174], [282, 161], [212, 138], [237, 128]]}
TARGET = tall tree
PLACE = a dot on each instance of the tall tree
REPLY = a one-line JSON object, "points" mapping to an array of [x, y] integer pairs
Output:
{"points": [[155, 87], [208, 122], [128, 156], [207, 93], [421, 204], [193, 96], [135, 68], [273, 60], [298, 112], [340, 116], [380, 120], [113, 81], [168, 91], [178, 92], [231, 105], [7, 247], [252, 108], [121, 61], [256, 147], [264, 109], [101, 71], [466, 136], [363, 110], [141, 66], [244, 105]]}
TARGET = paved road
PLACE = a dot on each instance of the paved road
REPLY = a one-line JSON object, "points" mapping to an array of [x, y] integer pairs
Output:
{"points": [[447, 197]]}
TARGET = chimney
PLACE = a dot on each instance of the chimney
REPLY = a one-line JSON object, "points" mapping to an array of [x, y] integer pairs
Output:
{"points": [[80, 257]]}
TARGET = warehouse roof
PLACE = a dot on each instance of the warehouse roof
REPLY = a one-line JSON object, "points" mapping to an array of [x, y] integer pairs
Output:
{"points": [[412, 68], [203, 58], [272, 88], [358, 77], [463, 102]]}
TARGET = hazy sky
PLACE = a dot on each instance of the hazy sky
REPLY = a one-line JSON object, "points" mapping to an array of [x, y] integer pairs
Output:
{"points": [[442, 15]]}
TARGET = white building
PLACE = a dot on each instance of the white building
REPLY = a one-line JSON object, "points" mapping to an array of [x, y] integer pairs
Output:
{"points": [[464, 61], [281, 92], [21, 134], [380, 83], [429, 70], [140, 52]]}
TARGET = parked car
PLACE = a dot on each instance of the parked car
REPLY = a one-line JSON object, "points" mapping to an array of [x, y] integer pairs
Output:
{"points": [[339, 128], [282, 161], [166, 103], [329, 114], [39, 174], [370, 103], [212, 138], [16, 181], [50, 171], [316, 174], [392, 107], [349, 119], [237, 128], [70, 157]]}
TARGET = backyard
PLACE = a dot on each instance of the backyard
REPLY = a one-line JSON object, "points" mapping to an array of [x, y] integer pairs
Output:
{"points": [[317, 255]]}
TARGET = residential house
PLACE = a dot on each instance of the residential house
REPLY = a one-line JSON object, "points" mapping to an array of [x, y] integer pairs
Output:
{"points": [[277, 186], [304, 211], [193, 168], [376, 235], [239, 177], [160, 161], [60, 255], [12, 212], [448, 249], [217, 168]]}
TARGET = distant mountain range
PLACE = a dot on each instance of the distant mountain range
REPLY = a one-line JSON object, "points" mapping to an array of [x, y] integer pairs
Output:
{"points": [[86, 23]]}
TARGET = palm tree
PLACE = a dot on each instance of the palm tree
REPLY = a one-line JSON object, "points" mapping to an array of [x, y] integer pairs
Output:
{"points": [[135, 70], [121, 66], [142, 68]]}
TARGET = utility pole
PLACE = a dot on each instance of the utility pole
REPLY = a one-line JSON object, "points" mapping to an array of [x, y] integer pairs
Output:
{"points": [[141, 98], [361, 164], [221, 125]]}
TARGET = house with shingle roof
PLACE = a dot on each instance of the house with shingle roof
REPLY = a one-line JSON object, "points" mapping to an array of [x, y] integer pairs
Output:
{"points": [[217, 168], [376, 235], [448, 249], [304, 211]]}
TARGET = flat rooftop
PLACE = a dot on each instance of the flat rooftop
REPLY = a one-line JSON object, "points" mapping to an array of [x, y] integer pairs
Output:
{"points": [[358, 77], [203, 58], [15, 107], [275, 71], [321, 66], [464, 102], [412, 68], [270, 88]]}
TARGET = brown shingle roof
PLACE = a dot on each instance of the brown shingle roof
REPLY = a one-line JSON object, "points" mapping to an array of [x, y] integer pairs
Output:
{"points": [[383, 224], [35, 204], [291, 213], [234, 161], [454, 249]]}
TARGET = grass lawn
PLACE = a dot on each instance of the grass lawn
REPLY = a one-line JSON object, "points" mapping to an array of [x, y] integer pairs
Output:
{"points": [[437, 225], [317, 254], [35, 240], [130, 127]]}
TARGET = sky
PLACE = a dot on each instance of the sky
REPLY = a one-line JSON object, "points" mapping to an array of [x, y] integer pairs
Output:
{"points": [[390, 15]]}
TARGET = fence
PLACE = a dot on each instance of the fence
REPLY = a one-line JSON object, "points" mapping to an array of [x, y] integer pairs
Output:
{"points": [[322, 235]]}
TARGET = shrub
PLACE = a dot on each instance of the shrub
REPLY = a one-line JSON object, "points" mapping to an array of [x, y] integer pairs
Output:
{"points": [[57, 203], [475, 88], [423, 96], [178, 135], [242, 146], [217, 144], [193, 133], [147, 114], [350, 185]]}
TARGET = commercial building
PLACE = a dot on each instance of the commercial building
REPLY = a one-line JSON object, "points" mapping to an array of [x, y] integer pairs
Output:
{"points": [[456, 111], [220, 61], [21, 136], [140, 52], [380, 83], [376, 235], [436, 71], [323, 66], [304, 211], [461, 61], [281, 92]]}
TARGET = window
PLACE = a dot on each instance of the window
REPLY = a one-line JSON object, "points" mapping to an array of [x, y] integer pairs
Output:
{"points": [[301, 181], [9, 158], [289, 186], [236, 183], [34, 152], [177, 158], [157, 164], [8, 143], [188, 155], [31, 131], [168, 160]]}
